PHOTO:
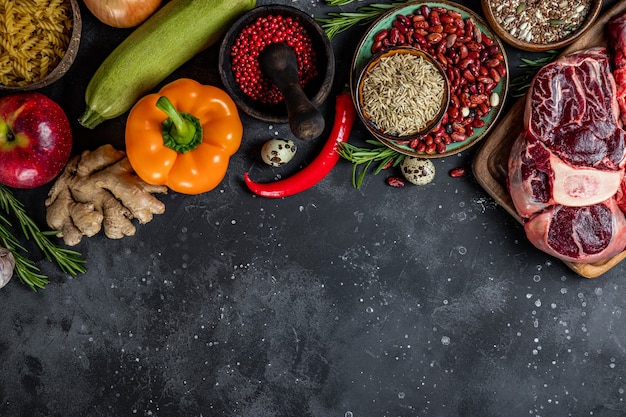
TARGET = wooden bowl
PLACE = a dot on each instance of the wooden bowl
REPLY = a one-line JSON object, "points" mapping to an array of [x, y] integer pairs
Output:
{"points": [[533, 45], [66, 62], [371, 124], [317, 89]]}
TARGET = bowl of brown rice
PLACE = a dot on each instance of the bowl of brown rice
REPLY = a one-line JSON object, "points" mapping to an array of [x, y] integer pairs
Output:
{"points": [[402, 94], [41, 40]]}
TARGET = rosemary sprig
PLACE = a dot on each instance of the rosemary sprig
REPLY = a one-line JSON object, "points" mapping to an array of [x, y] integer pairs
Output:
{"points": [[25, 269], [68, 260], [338, 22], [338, 2], [385, 156], [520, 84]]}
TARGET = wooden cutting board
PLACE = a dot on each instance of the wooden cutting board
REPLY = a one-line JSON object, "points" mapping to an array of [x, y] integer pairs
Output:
{"points": [[490, 163]]}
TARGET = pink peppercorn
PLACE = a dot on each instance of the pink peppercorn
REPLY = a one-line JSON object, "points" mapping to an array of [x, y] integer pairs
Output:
{"points": [[251, 41]]}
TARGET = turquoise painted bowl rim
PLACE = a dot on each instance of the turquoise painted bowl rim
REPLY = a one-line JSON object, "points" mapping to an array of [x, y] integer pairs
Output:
{"points": [[363, 54]]}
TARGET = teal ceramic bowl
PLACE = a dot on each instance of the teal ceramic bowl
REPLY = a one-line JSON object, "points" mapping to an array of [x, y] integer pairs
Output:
{"points": [[363, 54]]}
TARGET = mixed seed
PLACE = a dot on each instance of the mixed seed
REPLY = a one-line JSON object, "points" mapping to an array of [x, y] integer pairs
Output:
{"points": [[540, 22]]}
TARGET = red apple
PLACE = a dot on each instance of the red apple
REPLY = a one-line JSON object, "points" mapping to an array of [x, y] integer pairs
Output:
{"points": [[35, 140]]}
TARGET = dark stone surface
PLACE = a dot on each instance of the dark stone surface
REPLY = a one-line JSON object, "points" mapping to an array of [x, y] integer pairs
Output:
{"points": [[421, 301]]}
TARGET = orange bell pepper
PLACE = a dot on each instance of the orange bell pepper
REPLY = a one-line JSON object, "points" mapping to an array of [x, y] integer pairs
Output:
{"points": [[183, 136]]}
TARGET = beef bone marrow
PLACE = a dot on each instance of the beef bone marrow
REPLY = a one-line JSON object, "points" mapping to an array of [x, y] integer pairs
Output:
{"points": [[566, 168]]}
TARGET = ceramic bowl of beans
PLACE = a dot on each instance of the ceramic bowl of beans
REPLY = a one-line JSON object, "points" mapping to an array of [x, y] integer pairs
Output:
{"points": [[240, 72], [472, 57], [538, 26], [53, 31], [402, 94]]}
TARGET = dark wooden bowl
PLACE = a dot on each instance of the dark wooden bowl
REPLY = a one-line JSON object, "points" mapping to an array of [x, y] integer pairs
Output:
{"points": [[66, 62], [317, 89], [595, 8], [371, 125]]}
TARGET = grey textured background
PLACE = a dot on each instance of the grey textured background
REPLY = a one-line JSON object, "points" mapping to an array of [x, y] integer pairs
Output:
{"points": [[422, 301]]}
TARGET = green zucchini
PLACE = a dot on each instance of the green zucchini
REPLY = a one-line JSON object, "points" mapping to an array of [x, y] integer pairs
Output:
{"points": [[172, 36]]}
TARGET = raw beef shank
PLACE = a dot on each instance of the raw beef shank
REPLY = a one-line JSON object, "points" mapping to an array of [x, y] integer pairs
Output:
{"points": [[566, 167]]}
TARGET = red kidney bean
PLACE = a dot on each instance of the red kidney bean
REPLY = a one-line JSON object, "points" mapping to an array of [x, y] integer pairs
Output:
{"points": [[463, 51], [449, 28], [489, 88], [419, 38], [434, 38], [436, 29], [492, 62], [467, 74], [458, 127], [396, 182], [478, 34], [457, 137], [458, 172], [478, 122], [381, 35], [434, 18], [450, 40], [446, 19], [421, 24], [473, 63], [394, 35]]}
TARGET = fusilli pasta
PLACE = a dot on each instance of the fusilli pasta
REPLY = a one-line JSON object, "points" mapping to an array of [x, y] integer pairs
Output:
{"points": [[34, 35]]}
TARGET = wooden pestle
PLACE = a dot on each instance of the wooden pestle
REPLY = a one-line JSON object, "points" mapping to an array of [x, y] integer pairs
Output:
{"points": [[278, 62]]}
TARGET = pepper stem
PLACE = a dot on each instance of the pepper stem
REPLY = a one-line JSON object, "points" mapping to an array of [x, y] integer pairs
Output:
{"points": [[181, 132]]}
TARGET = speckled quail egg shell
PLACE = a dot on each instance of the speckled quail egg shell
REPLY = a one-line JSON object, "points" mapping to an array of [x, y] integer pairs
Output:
{"points": [[417, 171], [278, 152]]}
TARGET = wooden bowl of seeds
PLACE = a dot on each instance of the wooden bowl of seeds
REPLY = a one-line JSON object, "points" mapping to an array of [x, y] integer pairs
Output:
{"points": [[402, 94], [539, 26]]}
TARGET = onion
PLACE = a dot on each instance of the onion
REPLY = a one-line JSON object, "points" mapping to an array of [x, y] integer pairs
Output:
{"points": [[122, 13]]}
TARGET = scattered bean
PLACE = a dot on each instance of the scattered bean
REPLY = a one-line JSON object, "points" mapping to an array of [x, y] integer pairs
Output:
{"points": [[458, 172], [395, 182]]}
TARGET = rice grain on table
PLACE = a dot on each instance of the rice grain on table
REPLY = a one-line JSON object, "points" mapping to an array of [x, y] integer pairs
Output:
{"points": [[402, 93]]}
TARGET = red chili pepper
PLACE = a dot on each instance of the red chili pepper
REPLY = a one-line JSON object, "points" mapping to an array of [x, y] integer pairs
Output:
{"points": [[314, 172]]}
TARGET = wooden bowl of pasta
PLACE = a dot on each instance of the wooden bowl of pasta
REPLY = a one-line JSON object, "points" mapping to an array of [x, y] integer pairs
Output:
{"points": [[41, 42]]}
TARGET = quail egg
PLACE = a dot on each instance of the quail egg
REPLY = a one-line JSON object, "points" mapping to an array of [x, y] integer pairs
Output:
{"points": [[418, 171], [278, 152]]}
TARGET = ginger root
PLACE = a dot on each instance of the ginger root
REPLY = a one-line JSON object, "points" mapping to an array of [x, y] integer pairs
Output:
{"points": [[99, 189]]}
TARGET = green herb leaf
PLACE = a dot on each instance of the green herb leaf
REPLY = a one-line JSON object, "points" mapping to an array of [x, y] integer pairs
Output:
{"points": [[338, 22], [363, 158], [68, 260], [338, 2], [520, 84]]}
